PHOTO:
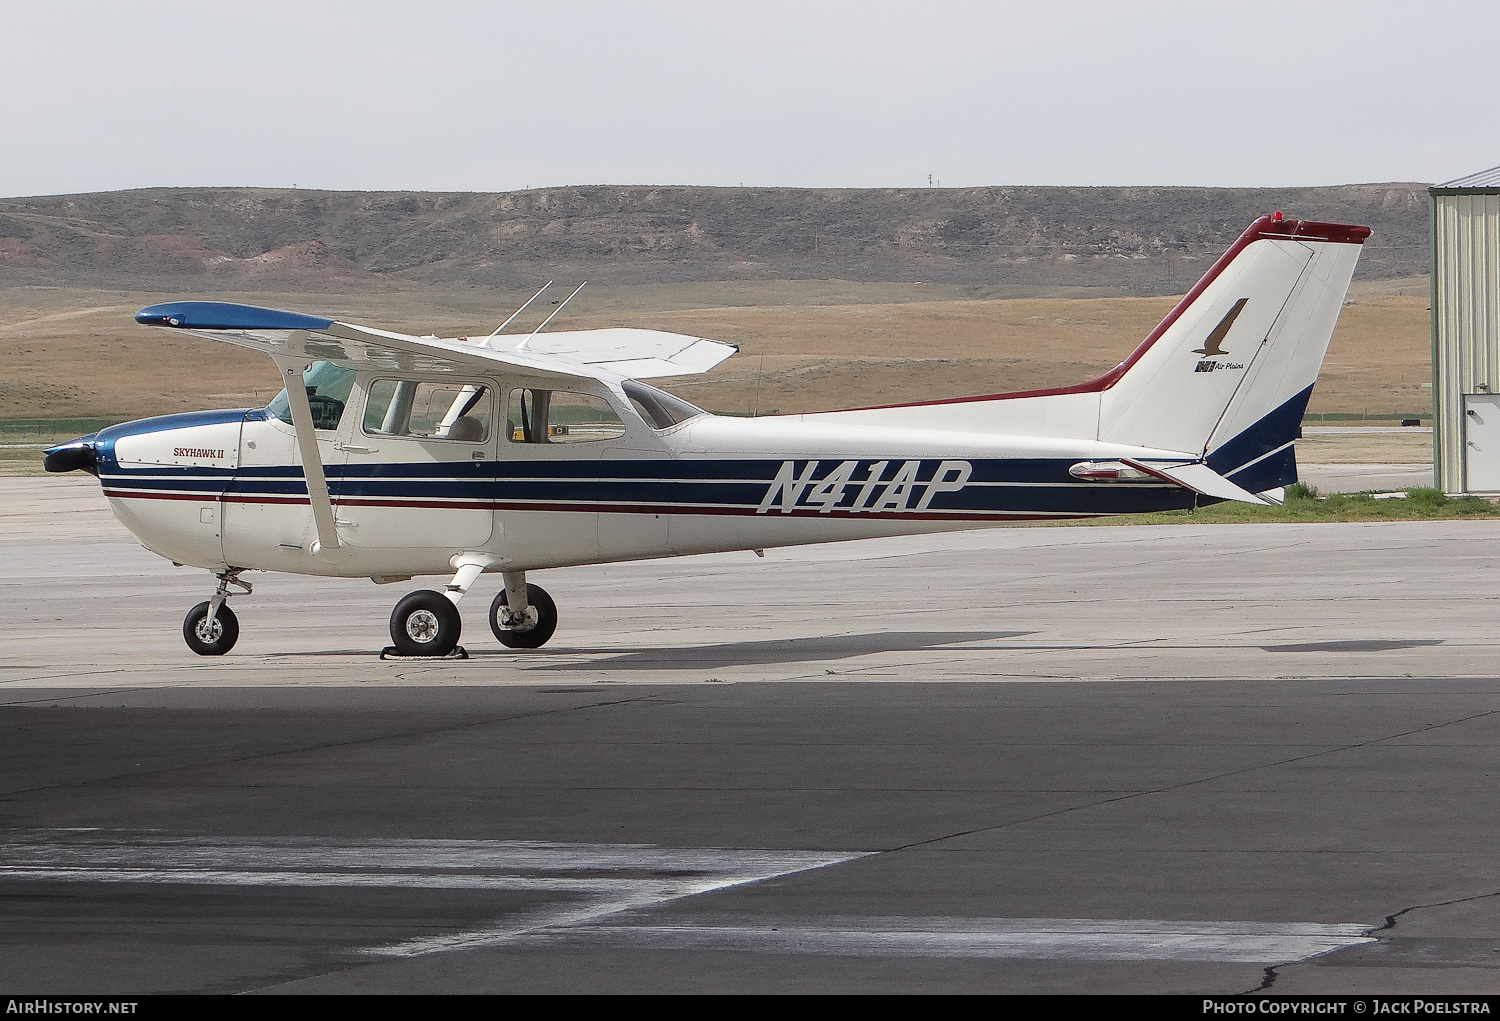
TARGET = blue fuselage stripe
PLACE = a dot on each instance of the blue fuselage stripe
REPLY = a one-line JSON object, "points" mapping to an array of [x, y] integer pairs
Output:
{"points": [[775, 487]]}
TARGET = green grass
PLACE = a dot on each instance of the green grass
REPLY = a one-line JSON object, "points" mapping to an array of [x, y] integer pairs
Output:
{"points": [[55, 424], [50, 430], [1303, 504], [24, 461], [1385, 418], [21, 462]]}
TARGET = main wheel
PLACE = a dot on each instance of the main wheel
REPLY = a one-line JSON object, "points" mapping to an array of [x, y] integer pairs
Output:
{"points": [[210, 637], [425, 623], [536, 632]]}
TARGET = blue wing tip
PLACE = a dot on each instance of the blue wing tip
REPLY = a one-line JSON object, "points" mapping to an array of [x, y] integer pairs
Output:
{"points": [[223, 315]]}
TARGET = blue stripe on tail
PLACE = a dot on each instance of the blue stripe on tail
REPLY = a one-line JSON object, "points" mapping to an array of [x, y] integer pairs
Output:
{"points": [[1234, 459]]}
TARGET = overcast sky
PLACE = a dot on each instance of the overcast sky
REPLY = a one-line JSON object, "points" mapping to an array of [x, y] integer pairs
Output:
{"points": [[495, 96]]}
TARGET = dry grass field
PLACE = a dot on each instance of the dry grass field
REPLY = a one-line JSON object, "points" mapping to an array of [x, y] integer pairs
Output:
{"points": [[804, 345]]}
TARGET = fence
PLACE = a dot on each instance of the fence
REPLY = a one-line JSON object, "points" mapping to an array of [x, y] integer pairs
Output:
{"points": [[42, 430]]}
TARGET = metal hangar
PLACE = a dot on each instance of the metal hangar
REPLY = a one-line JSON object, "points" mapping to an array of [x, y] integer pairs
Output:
{"points": [[1466, 333]]}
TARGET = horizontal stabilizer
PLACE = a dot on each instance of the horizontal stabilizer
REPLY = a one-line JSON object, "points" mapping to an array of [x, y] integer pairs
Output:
{"points": [[1200, 478]]}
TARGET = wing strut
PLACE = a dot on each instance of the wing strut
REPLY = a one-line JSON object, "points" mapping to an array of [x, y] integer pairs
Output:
{"points": [[307, 447]]}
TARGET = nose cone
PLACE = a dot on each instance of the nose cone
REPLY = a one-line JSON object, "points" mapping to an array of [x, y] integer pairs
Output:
{"points": [[74, 455]]}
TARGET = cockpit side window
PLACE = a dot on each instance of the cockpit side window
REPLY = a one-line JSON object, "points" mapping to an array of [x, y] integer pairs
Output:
{"points": [[660, 409], [328, 387], [428, 410]]}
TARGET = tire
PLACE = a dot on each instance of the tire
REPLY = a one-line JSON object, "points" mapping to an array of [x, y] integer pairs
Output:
{"points": [[425, 623], [210, 638], [535, 636]]}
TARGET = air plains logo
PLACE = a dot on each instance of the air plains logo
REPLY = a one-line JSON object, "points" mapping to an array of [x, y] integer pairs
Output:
{"points": [[848, 489], [1213, 347]]}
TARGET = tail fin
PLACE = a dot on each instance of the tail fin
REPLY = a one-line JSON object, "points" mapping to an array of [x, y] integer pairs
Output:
{"points": [[1227, 375], [1223, 380]]}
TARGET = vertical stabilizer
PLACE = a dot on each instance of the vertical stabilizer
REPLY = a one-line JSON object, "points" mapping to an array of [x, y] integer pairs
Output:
{"points": [[1227, 375], [1223, 379]]}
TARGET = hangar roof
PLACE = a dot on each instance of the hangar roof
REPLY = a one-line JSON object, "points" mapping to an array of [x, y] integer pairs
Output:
{"points": [[1485, 179]]}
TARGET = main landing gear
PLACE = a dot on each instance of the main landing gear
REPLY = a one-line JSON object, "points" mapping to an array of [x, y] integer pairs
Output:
{"points": [[530, 628], [427, 623], [211, 628], [424, 623]]}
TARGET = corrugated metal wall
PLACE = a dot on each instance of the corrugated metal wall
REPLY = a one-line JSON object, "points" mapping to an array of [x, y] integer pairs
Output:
{"points": [[1466, 319]]}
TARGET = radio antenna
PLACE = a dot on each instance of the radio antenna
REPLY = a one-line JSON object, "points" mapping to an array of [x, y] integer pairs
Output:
{"points": [[553, 316], [518, 311]]}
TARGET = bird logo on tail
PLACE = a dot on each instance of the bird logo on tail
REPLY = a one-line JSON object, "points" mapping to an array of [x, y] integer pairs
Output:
{"points": [[1213, 345]]}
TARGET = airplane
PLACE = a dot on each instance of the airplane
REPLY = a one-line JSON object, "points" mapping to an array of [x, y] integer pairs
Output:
{"points": [[390, 456]]}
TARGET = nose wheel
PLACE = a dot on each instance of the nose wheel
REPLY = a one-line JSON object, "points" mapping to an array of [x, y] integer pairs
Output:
{"points": [[211, 628], [210, 636]]}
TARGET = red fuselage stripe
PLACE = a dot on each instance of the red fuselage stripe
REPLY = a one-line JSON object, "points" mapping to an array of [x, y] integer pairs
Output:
{"points": [[601, 508]]}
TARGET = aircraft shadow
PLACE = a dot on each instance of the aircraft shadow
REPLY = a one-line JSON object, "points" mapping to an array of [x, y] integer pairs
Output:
{"points": [[1356, 645], [772, 651]]}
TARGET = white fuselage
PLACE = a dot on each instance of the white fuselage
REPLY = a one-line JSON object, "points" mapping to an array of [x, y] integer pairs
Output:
{"points": [[225, 490]]}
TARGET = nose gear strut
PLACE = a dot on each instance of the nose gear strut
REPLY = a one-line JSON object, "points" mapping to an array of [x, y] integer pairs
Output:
{"points": [[211, 628]]}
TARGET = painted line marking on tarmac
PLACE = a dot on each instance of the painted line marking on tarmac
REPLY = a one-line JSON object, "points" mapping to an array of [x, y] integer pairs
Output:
{"points": [[603, 889], [1016, 938], [116, 849], [595, 881], [387, 880]]}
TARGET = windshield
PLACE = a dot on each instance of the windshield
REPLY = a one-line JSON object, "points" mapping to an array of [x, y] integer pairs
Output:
{"points": [[328, 387]]}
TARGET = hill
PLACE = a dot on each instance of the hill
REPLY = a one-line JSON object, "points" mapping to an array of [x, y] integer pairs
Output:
{"points": [[1002, 241]]}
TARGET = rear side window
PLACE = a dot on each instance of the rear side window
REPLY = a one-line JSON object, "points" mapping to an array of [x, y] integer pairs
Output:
{"points": [[426, 410], [560, 416], [660, 409]]}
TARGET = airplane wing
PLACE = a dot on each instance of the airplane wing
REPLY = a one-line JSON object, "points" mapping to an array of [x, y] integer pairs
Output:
{"points": [[292, 339], [588, 354], [637, 354]]}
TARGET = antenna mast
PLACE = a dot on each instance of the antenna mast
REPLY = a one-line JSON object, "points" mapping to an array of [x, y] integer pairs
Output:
{"points": [[553, 316], [518, 311]]}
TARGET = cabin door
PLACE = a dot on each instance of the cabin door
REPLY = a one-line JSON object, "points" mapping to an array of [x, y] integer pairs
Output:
{"points": [[418, 469]]}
